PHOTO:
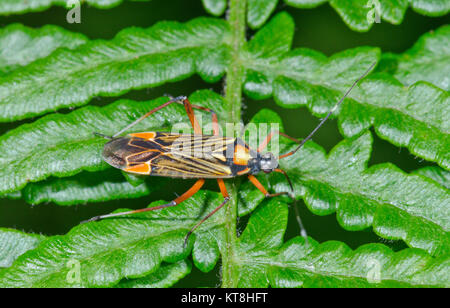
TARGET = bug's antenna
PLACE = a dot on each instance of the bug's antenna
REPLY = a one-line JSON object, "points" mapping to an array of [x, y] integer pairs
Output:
{"points": [[329, 113], [103, 136]]}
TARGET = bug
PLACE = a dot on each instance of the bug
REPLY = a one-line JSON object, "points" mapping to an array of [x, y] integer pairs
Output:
{"points": [[173, 155]]}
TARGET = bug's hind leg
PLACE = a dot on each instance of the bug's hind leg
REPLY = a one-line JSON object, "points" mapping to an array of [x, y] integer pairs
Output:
{"points": [[195, 188], [226, 198], [189, 110], [96, 218], [171, 101]]}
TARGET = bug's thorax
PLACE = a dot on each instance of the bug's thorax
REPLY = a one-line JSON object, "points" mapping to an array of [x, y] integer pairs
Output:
{"points": [[249, 161]]}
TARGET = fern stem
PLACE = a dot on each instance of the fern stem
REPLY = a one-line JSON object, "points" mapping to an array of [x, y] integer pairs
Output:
{"points": [[235, 75]]}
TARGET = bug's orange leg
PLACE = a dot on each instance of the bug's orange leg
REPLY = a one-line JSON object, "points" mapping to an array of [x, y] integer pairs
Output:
{"points": [[191, 115], [226, 198], [215, 121], [261, 188], [187, 104], [269, 137], [196, 187]]}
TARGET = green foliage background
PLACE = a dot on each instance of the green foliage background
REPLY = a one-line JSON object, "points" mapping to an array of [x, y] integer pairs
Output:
{"points": [[320, 29]]}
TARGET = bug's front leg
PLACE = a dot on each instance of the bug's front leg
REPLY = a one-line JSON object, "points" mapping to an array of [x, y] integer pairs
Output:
{"points": [[195, 188], [262, 189], [269, 137]]}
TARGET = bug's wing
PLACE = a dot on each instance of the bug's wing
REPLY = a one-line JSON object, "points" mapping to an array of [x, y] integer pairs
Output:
{"points": [[131, 154], [192, 156], [188, 167], [171, 155]]}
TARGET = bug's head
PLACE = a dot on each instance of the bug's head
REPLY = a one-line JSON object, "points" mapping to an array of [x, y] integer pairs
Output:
{"points": [[268, 162]]}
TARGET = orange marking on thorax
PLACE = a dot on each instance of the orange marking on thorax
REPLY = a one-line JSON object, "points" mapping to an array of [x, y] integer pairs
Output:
{"points": [[241, 155], [147, 136], [141, 169], [245, 171]]}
